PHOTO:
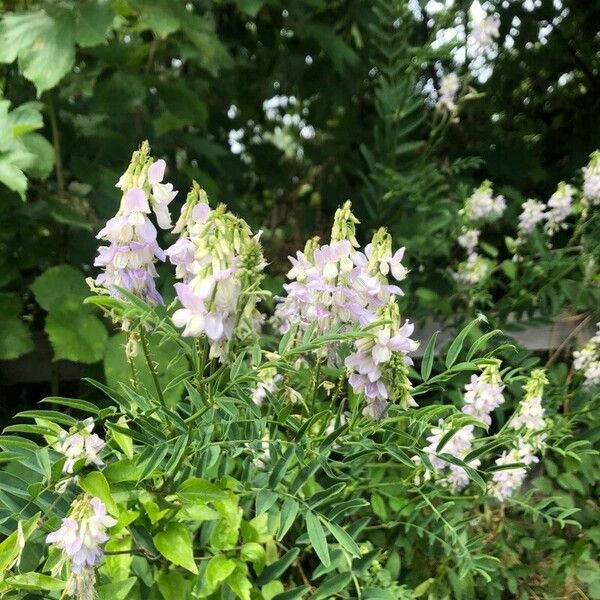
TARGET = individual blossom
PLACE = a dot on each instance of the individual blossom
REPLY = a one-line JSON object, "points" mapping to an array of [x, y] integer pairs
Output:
{"points": [[559, 208], [80, 444], [468, 239], [220, 264], [128, 261], [483, 394], [80, 539], [591, 180], [532, 213], [449, 86], [472, 271], [483, 205]]}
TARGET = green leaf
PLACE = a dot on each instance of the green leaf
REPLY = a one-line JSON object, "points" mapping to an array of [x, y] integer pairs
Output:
{"points": [[250, 7], [173, 585], [317, 538], [344, 538], [159, 15], [289, 510], [333, 45], [25, 118], [117, 590], [182, 102], [76, 336], [219, 567], [264, 500], [276, 569], [42, 152], [293, 594], [15, 339], [332, 585], [175, 544], [43, 44], [428, 356], [61, 288], [92, 21], [12, 177], [240, 584], [35, 581], [457, 344], [254, 553], [196, 490], [95, 484]]}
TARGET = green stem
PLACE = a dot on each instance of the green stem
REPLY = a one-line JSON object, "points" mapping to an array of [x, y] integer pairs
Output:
{"points": [[151, 366]]}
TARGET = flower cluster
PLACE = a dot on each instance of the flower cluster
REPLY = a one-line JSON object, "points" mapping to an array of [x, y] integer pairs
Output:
{"points": [[559, 207], [591, 179], [337, 287], [80, 444], [484, 32], [469, 238], [267, 384], [219, 264], [586, 360], [449, 86], [532, 213], [528, 420], [483, 394], [128, 260], [80, 538], [473, 270], [483, 205]]}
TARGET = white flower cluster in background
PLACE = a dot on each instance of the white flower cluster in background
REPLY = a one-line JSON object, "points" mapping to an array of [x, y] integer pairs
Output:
{"points": [[482, 205], [80, 539], [559, 207], [528, 420], [591, 180], [80, 444], [586, 360], [532, 213], [473, 270], [483, 394], [447, 92]]}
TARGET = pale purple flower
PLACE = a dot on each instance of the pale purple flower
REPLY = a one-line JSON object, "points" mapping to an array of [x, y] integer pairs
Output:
{"points": [[82, 534], [591, 179], [484, 32], [482, 396], [78, 445]]}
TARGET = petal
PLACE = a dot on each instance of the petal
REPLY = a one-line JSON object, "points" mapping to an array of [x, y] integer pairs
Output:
{"points": [[156, 171]]}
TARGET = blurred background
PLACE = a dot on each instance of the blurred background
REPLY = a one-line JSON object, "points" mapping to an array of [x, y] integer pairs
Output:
{"points": [[282, 110]]}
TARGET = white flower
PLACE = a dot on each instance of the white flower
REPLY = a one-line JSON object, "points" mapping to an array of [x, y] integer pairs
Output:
{"points": [[80, 445], [473, 270], [532, 212], [82, 533], [482, 204], [162, 193], [559, 207], [591, 179], [483, 394], [469, 239], [449, 86], [484, 32]]}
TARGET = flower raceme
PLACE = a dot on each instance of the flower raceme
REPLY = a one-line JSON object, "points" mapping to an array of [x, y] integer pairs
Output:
{"points": [[128, 261], [80, 539], [219, 263], [80, 444], [340, 288]]}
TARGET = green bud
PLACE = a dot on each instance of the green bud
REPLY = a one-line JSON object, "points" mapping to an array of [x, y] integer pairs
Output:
{"points": [[344, 225]]}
